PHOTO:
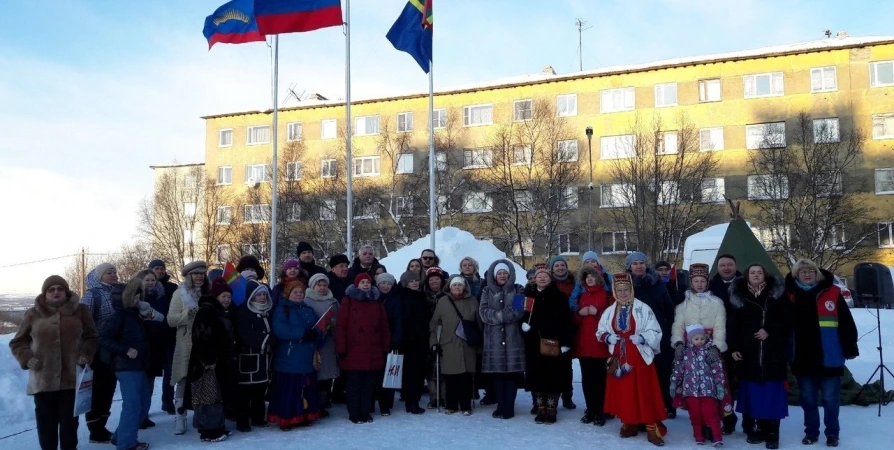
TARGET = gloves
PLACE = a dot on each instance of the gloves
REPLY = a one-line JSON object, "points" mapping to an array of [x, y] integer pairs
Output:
{"points": [[564, 349], [637, 339], [525, 327], [713, 355], [584, 311], [436, 349], [720, 393], [83, 360], [310, 334], [612, 339], [144, 308], [593, 310], [679, 349], [34, 364]]}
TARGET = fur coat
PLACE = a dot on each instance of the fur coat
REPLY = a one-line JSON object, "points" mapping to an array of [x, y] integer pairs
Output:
{"points": [[184, 306], [705, 309]]}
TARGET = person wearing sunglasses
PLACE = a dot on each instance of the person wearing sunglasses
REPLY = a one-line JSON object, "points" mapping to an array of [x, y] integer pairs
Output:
{"points": [[429, 259]]}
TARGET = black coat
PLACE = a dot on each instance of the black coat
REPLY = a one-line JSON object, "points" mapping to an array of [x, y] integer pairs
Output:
{"points": [[356, 269], [393, 309], [214, 342], [254, 331], [124, 330], [162, 337], [650, 290], [771, 311], [338, 285], [550, 319], [311, 268], [415, 317]]}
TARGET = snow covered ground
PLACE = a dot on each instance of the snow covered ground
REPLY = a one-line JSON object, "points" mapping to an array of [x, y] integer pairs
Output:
{"points": [[861, 428]]}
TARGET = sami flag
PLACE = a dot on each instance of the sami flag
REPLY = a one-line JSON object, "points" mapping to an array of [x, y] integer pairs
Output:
{"points": [[322, 325], [232, 23], [292, 16], [520, 302], [237, 283], [412, 32]]}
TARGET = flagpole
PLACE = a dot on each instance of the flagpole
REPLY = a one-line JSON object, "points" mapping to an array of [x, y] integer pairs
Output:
{"points": [[350, 162], [433, 206], [275, 167]]}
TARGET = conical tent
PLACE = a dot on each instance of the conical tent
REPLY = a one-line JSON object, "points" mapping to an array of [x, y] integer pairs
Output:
{"points": [[740, 242]]}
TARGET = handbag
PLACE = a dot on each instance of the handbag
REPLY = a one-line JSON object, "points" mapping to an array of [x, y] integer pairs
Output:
{"points": [[550, 347], [467, 330], [612, 365]]}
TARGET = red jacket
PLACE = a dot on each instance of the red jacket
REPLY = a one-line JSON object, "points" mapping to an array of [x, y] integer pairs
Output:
{"points": [[566, 285], [362, 337], [586, 345]]}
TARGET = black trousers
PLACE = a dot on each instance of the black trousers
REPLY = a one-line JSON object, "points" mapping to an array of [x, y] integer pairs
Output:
{"points": [[664, 366], [413, 383], [568, 385], [55, 424], [384, 396], [593, 377], [360, 386], [104, 383], [251, 408], [325, 388], [505, 389], [459, 391]]}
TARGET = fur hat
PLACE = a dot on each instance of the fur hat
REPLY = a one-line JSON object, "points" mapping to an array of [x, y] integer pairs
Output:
{"points": [[531, 272], [157, 263], [291, 286], [634, 257], [219, 286], [694, 330], [661, 264], [290, 264], [360, 277], [338, 259], [317, 278], [555, 259], [499, 267], [54, 280], [408, 277], [304, 247], [699, 270], [590, 255], [251, 262], [385, 278], [586, 270], [194, 267], [101, 269]]}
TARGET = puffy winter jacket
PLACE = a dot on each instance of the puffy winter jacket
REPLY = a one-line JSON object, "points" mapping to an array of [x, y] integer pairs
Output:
{"points": [[293, 354], [362, 336], [586, 345], [123, 331]]}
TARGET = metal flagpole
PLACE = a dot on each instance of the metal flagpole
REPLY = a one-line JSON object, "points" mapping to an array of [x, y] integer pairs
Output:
{"points": [[433, 206], [350, 161], [275, 167]]}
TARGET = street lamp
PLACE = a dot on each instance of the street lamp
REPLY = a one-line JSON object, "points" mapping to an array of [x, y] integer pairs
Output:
{"points": [[589, 132]]}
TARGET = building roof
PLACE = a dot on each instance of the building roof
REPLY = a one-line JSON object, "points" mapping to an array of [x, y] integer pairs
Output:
{"points": [[548, 76], [172, 166]]}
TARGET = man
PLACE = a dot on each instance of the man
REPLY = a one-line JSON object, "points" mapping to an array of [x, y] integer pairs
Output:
{"points": [[306, 260], [664, 271], [338, 276], [719, 286], [162, 337], [366, 263], [429, 259]]}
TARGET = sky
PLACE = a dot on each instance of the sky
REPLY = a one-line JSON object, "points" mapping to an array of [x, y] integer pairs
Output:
{"points": [[93, 92]]}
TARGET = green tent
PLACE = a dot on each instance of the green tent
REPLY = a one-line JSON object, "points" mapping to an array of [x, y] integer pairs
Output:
{"points": [[740, 242]]}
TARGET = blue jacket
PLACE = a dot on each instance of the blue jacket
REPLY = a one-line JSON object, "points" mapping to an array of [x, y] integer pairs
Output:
{"points": [[292, 354], [392, 302], [122, 331]]}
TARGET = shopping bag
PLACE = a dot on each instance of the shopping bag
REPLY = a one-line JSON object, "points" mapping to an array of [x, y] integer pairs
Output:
{"points": [[394, 371], [83, 391]]}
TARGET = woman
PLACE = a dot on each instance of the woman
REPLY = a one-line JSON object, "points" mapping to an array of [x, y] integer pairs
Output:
{"points": [[633, 335], [546, 327], [589, 259], [184, 306], [155, 324], [291, 271], [414, 346], [457, 357], [433, 289], [592, 354], [362, 339], [390, 298], [468, 269], [295, 400], [824, 337], [759, 339], [415, 265], [504, 349], [320, 299], [254, 330], [56, 336]]}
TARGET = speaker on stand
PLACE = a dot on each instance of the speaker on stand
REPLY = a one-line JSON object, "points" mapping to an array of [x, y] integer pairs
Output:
{"points": [[874, 286]]}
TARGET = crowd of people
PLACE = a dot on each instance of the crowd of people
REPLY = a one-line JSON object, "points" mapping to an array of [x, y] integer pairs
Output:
{"points": [[715, 346]]}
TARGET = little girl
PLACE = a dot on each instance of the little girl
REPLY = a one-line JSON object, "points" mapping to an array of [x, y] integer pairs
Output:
{"points": [[700, 379]]}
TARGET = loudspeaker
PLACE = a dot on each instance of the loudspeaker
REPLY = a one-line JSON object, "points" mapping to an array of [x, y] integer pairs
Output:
{"points": [[873, 283]]}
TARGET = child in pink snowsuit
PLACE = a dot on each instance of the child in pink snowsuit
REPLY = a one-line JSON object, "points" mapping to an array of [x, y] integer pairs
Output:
{"points": [[699, 377]]}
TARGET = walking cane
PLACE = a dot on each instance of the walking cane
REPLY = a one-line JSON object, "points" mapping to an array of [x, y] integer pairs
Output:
{"points": [[438, 370]]}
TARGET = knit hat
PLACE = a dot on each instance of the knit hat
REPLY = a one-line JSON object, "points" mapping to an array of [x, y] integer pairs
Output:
{"points": [[194, 267], [694, 330], [458, 280], [251, 262], [542, 269], [304, 247], [317, 278], [499, 267], [661, 264], [101, 269], [157, 263], [385, 278], [555, 259], [407, 277], [633, 257], [219, 286], [699, 270], [435, 271], [360, 277], [53, 280], [290, 264], [590, 255], [338, 259]]}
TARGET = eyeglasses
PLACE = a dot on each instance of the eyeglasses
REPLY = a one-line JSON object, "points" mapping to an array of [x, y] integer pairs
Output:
{"points": [[56, 289]]}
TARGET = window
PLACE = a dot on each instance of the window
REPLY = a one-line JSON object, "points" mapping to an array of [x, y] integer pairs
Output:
{"points": [[443, 204], [439, 118], [522, 155], [366, 126], [672, 241], [225, 138], [522, 110], [883, 126], [478, 115], [404, 163], [709, 90], [224, 215], [667, 143], [328, 168], [614, 100], [189, 209], [668, 193], [476, 159], [823, 79], [881, 74], [329, 129], [293, 212], [188, 236], [441, 161], [767, 187], [828, 184], [191, 182], [258, 250], [833, 238], [567, 150], [222, 253], [225, 175], [825, 130], [665, 95], [404, 122], [618, 242], [884, 181], [259, 134], [713, 190], [294, 170], [526, 248], [257, 173], [327, 210], [294, 131], [403, 206], [772, 238], [523, 200], [566, 105], [615, 147], [764, 85], [617, 195], [710, 139], [366, 166], [886, 235], [569, 244], [257, 213], [366, 209], [765, 135], [568, 198], [476, 202]]}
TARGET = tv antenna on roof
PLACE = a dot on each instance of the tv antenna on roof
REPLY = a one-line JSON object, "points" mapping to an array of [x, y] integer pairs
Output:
{"points": [[580, 42], [828, 33]]}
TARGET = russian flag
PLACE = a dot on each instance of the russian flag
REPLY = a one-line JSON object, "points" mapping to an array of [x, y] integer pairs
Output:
{"points": [[295, 16]]}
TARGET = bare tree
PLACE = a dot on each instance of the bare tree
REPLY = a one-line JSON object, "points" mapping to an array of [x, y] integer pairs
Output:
{"points": [[171, 220], [397, 202], [662, 186], [129, 259], [807, 194]]}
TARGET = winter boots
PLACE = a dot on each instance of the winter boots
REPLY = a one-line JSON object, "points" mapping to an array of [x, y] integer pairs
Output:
{"points": [[540, 404], [767, 431], [653, 433], [180, 418], [629, 431]]}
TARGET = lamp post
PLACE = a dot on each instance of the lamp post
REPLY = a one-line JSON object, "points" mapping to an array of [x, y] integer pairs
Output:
{"points": [[589, 132]]}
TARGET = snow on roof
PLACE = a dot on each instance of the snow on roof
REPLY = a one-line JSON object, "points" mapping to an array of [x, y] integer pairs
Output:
{"points": [[451, 245]]}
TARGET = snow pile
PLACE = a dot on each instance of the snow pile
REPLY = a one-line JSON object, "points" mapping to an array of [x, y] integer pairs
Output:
{"points": [[15, 406], [451, 245]]}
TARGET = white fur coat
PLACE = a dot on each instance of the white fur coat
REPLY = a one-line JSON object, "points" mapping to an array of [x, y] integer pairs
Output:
{"points": [[707, 311]]}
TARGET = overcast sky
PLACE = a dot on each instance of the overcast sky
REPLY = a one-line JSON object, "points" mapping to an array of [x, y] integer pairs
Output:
{"points": [[93, 92]]}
